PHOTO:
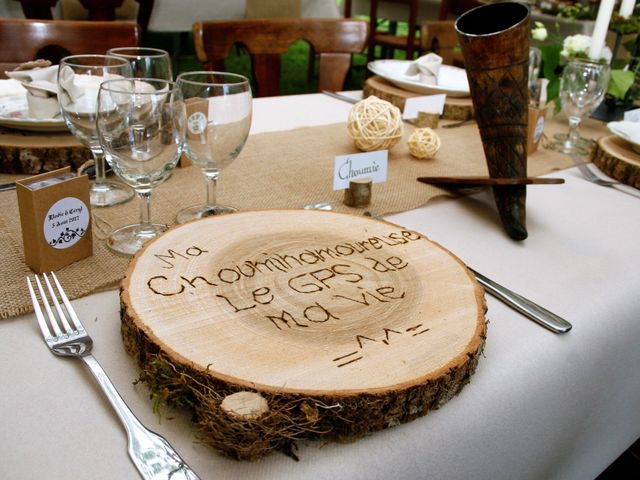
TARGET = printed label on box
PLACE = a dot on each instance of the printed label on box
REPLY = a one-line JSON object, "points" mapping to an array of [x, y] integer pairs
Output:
{"points": [[537, 133], [66, 222]]}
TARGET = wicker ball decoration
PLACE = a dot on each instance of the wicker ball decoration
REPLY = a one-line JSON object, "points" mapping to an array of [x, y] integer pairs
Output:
{"points": [[423, 143], [375, 124]]}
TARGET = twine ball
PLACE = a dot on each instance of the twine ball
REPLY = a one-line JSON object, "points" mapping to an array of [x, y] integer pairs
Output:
{"points": [[423, 143], [375, 124]]}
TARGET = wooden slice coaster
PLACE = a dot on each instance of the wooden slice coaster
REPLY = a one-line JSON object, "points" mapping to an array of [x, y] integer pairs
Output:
{"points": [[454, 108], [615, 157], [343, 324], [33, 153]]}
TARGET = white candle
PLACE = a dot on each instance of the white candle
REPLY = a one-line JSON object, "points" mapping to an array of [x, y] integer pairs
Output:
{"points": [[626, 8], [601, 28]]}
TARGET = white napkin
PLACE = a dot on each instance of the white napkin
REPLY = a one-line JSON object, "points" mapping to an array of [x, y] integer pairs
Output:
{"points": [[42, 90], [69, 85], [427, 67]]}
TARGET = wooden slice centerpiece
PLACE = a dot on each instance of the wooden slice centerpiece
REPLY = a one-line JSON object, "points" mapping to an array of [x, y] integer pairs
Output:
{"points": [[615, 157], [39, 152], [343, 324], [454, 108]]}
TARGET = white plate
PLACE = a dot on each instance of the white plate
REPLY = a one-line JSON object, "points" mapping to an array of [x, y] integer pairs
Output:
{"points": [[630, 131], [14, 111], [451, 80]]}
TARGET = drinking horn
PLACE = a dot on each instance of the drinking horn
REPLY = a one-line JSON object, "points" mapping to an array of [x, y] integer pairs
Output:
{"points": [[494, 39]]}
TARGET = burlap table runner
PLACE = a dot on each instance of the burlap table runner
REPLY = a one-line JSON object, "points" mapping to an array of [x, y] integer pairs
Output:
{"points": [[275, 170]]}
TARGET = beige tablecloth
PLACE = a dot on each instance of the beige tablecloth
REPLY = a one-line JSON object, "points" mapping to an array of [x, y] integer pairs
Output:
{"points": [[286, 169]]}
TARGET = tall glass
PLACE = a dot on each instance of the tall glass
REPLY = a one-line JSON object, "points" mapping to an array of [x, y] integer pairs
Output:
{"points": [[219, 108], [140, 126], [146, 62], [79, 78], [582, 88]]}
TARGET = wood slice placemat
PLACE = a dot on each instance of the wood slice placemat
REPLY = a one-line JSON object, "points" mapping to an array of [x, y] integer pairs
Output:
{"points": [[344, 324], [615, 157], [454, 108], [38, 152]]}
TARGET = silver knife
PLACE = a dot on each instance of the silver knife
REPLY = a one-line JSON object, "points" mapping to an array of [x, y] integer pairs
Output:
{"points": [[352, 100], [535, 312], [339, 96], [532, 310]]}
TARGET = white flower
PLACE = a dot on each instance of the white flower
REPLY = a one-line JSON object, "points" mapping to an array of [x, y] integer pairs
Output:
{"points": [[539, 32], [575, 45], [578, 46]]}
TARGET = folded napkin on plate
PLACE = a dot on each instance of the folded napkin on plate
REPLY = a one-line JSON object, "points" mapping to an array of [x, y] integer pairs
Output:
{"points": [[427, 67], [39, 78]]}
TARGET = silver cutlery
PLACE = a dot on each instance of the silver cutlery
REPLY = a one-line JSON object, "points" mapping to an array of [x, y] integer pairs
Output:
{"points": [[65, 336], [535, 312], [528, 308], [592, 177], [339, 96]]}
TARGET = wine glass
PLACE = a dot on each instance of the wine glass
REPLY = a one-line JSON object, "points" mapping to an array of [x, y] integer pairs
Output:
{"points": [[79, 78], [582, 88], [140, 126], [218, 109], [146, 62]]}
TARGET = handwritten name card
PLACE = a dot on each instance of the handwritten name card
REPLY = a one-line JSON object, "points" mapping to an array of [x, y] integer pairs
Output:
{"points": [[359, 165]]}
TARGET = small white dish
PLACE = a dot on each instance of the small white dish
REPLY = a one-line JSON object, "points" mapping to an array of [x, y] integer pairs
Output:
{"points": [[452, 81], [630, 131]]}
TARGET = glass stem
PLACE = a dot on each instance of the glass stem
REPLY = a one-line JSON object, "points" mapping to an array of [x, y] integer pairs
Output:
{"points": [[99, 163], [145, 211], [212, 181], [573, 136]]}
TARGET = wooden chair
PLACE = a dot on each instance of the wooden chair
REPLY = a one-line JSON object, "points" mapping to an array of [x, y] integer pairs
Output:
{"points": [[334, 40], [99, 10], [439, 36], [25, 40], [391, 41]]}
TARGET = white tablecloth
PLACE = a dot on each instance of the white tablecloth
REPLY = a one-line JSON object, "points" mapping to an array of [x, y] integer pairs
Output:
{"points": [[179, 16], [540, 406]]}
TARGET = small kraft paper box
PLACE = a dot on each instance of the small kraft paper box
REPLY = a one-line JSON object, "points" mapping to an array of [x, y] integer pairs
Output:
{"points": [[55, 216], [536, 126]]}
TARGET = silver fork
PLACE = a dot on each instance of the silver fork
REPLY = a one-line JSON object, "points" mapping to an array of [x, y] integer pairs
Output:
{"points": [[65, 336], [592, 177]]}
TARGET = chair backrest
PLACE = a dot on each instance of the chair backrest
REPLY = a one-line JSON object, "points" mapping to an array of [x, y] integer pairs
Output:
{"points": [[334, 40], [412, 20], [25, 40], [439, 36]]}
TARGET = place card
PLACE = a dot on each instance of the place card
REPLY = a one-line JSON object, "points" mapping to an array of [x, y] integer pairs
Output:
{"points": [[55, 217], [428, 103], [358, 165]]}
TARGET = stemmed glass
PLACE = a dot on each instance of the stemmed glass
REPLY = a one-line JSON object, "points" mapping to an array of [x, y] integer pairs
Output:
{"points": [[146, 62], [582, 88], [219, 107], [140, 126], [79, 78]]}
